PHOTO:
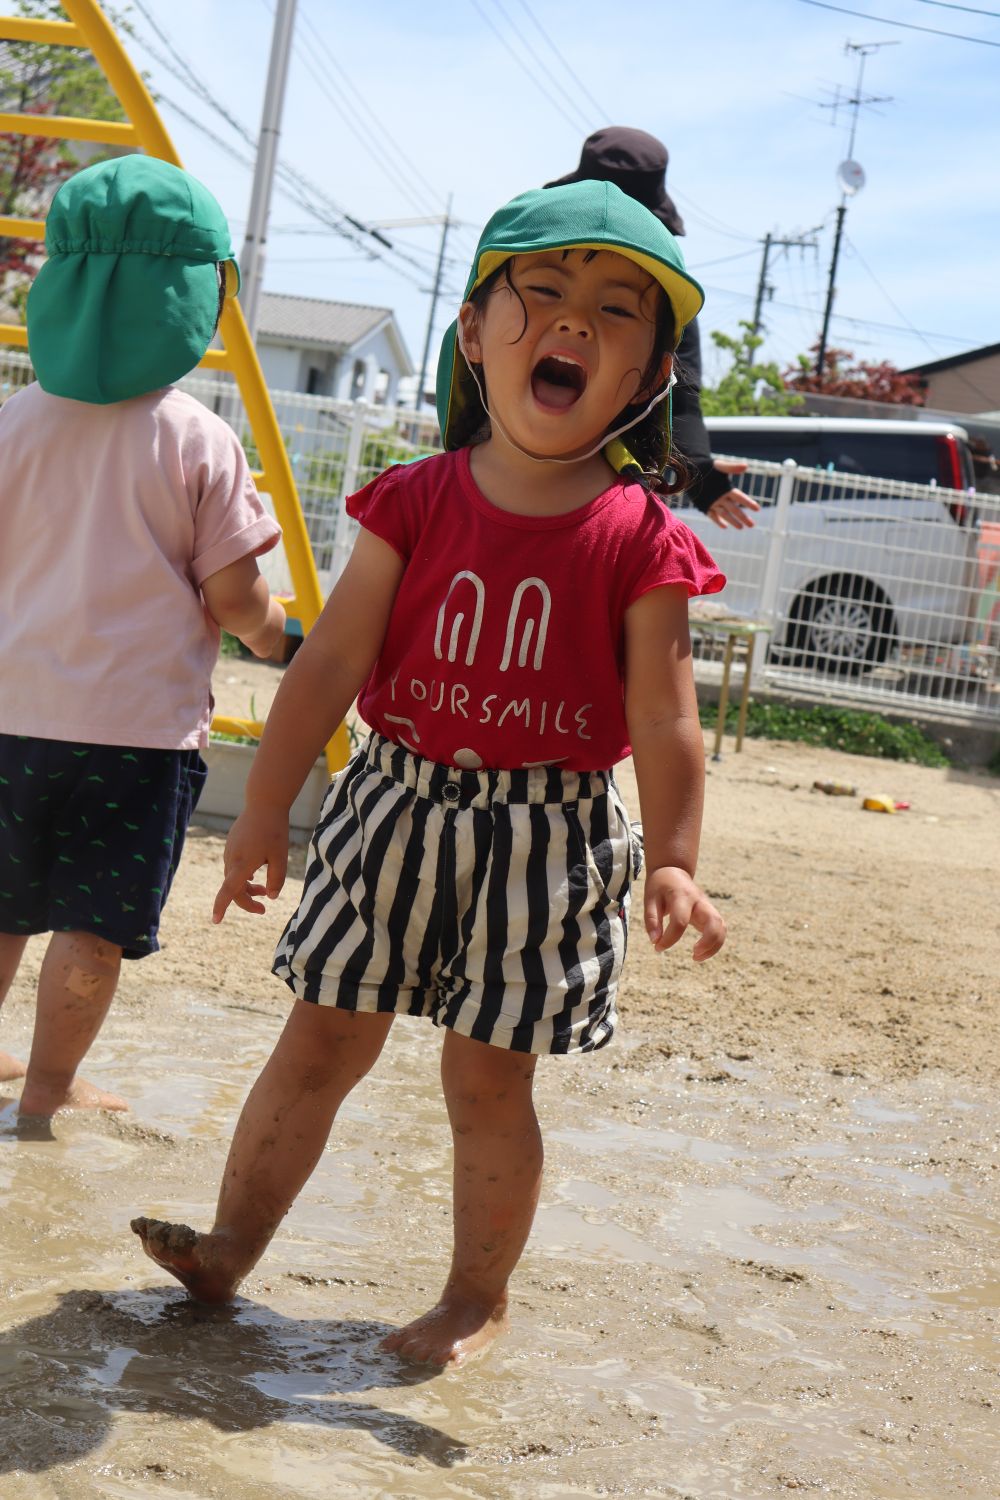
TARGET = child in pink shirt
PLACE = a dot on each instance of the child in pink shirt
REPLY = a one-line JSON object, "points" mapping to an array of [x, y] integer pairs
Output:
{"points": [[129, 532]]}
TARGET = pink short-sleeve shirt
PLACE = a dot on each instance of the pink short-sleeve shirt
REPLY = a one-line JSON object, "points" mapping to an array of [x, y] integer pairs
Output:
{"points": [[111, 519]]}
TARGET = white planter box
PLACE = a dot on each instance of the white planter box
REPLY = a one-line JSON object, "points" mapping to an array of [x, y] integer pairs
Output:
{"points": [[222, 799]]}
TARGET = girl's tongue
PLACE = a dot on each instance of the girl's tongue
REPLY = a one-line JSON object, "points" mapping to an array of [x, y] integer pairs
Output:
{"points": [[557, 383]]}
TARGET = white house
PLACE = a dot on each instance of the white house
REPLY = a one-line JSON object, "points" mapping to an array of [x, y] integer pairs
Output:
{"points": [[343, 350]]}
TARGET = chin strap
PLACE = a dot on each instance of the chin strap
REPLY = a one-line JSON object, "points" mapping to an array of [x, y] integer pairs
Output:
{"points": [[617, 454]]}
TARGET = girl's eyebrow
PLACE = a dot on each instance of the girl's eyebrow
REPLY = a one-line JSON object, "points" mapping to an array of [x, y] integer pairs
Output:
{"points": [[544, 263]]}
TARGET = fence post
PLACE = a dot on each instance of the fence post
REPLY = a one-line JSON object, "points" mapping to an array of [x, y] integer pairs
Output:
{"points": [[352, 466], [768, 603]]}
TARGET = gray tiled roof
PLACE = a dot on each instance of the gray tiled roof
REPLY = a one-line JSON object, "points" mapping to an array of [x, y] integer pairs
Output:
{"points": [[313, 320]]}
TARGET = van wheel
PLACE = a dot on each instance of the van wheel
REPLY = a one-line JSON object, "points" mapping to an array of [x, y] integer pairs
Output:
{"points": [[842, 624]]}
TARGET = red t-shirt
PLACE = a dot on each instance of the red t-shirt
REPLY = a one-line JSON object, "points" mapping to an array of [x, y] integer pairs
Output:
{"points": [[505, 646]]}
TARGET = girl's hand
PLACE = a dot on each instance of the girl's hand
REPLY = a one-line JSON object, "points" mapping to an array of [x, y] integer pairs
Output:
{"points": [[672, 903], [258, 837]]}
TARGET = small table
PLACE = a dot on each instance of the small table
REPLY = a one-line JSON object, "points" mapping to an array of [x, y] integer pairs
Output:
{"points": [[736, 629]]}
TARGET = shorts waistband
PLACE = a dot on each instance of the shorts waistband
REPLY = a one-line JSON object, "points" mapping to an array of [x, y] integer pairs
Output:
{"points": [[453, 787]]}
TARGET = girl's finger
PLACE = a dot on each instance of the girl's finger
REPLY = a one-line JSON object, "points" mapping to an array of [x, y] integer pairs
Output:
{"points": [[712, 927]]}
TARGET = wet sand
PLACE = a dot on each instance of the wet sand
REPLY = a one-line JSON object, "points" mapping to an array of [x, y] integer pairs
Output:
{"points": [[766, 1255]]}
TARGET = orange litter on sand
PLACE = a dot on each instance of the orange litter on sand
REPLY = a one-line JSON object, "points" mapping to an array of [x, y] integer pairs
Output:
{"points": [[884, 804]]}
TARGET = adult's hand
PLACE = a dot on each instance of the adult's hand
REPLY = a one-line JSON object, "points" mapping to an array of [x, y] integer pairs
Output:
{"points": [[734, 508]]}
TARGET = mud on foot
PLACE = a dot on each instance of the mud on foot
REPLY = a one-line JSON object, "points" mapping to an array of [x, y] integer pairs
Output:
{"points": [[452, 1332], [200, 1262], [40, 1100]]}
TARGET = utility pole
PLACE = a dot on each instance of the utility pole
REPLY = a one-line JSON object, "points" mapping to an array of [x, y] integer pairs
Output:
{"points": [[252, 259], [418, 400], [851, 179], [769, 242]]}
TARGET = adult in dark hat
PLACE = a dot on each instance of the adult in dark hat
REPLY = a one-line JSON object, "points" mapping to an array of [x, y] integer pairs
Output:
{"points": [[637, 163]]}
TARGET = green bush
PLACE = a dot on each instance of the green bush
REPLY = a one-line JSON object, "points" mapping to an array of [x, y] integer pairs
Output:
{"points": [[847, 729]]}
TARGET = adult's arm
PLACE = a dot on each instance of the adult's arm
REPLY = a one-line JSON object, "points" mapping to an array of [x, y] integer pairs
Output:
{"points": [[711, 488]]}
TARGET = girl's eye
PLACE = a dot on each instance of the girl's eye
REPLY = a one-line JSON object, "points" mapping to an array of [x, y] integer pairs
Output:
{"points": [[619, 312], [546, 291]]}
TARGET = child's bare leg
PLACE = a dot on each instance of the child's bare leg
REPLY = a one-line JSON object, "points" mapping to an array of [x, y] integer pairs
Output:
{"points": [[497, 1178], [75, 988], [284, 1125], [11, 949]]}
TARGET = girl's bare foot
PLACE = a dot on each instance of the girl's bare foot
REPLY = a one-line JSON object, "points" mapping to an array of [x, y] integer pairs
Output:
{"points": [[11, 1067], [45, 1099], [450, 1333], [203, 1263]]}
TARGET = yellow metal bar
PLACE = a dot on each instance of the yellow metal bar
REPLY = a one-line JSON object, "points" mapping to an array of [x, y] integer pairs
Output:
{"points": [[99, 35], [70, 128], [14, 333], [251, 729], [49, 33], [215, 359], [22, 229]]}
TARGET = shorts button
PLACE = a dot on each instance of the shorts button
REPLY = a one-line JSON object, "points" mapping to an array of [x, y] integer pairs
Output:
{"points": [[450, 792]]}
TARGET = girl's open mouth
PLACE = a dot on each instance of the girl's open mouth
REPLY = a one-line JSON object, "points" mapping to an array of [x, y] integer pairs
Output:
{"points": [[557, 382]]}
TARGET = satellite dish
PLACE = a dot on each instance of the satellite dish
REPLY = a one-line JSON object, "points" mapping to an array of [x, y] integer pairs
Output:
{"points": [[851, 177]]}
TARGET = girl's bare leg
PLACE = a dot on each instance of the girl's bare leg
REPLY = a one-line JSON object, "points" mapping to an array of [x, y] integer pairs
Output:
{"points": [[320, 1056], [11, 948], [497, 1178], [75, 988]]}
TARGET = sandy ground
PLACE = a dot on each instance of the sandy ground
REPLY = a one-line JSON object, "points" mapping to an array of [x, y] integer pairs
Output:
{"points": [[766, 1255]]}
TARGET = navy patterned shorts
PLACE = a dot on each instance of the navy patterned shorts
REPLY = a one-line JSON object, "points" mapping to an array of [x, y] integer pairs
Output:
{"points": [[91, 835]]}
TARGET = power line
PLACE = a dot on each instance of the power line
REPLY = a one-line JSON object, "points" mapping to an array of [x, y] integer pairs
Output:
{"points": [[947, 338], [531, 53], [542, 88], [574, 76], [906, 25], [965, 379], [973, 10], [292, 182]]}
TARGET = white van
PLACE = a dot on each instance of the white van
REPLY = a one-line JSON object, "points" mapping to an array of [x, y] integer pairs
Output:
{"points": [[877, 554]]}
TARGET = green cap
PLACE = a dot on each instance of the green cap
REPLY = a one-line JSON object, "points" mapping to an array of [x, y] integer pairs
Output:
{"points": [[583, 216], [128, 299]]}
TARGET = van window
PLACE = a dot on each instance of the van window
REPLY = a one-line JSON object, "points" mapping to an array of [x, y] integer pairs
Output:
{"points": [[768, 447], [913, 457]]}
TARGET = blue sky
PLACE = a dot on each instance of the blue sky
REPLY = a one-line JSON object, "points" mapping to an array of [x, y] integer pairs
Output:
{"points": [[391, 106]]}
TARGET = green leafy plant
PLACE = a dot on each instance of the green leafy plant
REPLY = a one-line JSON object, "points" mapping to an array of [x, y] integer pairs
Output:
{"points": [[747, 388], [848, 729]]}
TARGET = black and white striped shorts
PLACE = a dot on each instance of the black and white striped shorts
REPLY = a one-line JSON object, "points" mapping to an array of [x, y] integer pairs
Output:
{"points": [[494, 902]]}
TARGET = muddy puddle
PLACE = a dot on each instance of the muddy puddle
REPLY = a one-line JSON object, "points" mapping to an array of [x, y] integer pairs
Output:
{"points": [[740, 1284]]}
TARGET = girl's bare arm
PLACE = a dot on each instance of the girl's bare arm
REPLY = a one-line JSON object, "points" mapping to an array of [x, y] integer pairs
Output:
{"points": [[669, 757], [316, 692]]}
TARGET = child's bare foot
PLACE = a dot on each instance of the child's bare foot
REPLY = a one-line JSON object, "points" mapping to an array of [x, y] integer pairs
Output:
{"points": [[11, 1067], [40, 1099], [450, 1333], [201, 1262]]}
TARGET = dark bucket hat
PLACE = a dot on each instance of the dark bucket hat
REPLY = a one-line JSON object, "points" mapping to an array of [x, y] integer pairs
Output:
{"points": [[128, 299], [586, 215], [635, 162]]}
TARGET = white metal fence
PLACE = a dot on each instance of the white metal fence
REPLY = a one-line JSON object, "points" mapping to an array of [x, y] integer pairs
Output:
{"points": [[873, 592]]}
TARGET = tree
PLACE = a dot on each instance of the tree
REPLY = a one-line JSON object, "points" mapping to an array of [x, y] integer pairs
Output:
{"points": [[866, 382], [747, 389], [36, 79]]}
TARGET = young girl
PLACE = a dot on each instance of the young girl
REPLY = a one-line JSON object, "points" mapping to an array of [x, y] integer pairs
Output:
{"points": [[515, 616]]}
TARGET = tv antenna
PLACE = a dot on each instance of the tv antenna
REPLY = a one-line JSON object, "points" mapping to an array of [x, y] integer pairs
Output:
{"points": [[850, 173]]}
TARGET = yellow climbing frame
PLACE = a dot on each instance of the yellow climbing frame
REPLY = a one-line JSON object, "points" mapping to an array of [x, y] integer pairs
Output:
{"points": [[143, 130]]}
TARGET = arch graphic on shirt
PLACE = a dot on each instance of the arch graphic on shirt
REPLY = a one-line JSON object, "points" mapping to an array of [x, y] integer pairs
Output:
{"points": [[477, 621], [529, 625]]}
